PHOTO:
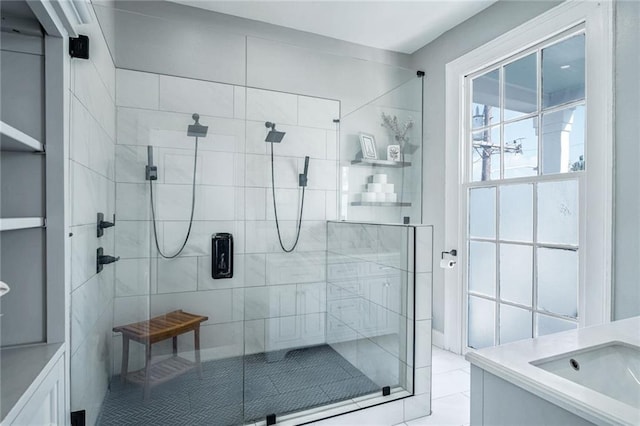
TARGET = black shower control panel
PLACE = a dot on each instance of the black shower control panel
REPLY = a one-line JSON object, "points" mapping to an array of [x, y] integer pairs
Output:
{"points": [[222, 256]]}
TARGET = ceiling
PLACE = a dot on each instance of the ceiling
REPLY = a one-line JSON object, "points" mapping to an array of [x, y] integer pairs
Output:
{"points": [[401, 26]]}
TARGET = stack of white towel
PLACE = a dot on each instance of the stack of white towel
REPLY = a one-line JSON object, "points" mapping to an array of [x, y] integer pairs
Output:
{"points": [[379, 190]]}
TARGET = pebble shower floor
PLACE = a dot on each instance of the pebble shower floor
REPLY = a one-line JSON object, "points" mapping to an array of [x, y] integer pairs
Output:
{"points": [[238, 390]]}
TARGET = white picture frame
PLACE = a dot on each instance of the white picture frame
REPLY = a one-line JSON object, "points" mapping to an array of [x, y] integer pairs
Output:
{"points": [[368, 146], [393, 152]]}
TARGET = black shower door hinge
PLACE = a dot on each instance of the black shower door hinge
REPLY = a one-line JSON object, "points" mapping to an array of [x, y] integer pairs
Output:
{"points": [[78, 418]]}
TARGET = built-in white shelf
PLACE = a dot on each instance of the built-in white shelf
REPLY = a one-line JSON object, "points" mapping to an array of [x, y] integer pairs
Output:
{"points": [[380, 204], [15, 140], [11, 224], [380, 163]]}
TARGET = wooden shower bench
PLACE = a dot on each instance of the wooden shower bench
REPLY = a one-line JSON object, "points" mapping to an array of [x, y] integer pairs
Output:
{"points": [[155, 330]]}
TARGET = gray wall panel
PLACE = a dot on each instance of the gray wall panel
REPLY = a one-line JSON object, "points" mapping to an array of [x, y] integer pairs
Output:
{"points": [[22, 185], [22, 83], [471, 34], [22, 261], [627, 153]]}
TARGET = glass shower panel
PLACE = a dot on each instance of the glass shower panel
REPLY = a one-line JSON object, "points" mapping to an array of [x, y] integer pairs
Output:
{"points": [[383, 184], [369, 314], [267, 336]]}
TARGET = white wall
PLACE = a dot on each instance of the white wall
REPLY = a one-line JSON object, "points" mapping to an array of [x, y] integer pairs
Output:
{"points": [[172, 39], [271, 291], [476, 31], [627, 151], [92, 190]]}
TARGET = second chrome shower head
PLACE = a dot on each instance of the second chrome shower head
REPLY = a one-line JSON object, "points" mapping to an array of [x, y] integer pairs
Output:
{"points": [[273, 136]]}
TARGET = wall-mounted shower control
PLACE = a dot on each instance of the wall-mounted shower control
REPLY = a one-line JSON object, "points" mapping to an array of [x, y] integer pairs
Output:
{"points": [[222, 256], [102, 259], [103, 224]]}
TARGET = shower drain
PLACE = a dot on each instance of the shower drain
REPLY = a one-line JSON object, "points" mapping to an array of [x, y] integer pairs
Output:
{"points": [[574, 364]]}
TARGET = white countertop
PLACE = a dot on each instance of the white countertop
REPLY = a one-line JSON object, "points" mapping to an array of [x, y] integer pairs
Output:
{"points": [[511, 362], [21, 366]]}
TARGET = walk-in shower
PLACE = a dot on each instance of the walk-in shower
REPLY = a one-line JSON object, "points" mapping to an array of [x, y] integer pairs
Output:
{"points": [[330, 324], [195, 130], [275, 136]]}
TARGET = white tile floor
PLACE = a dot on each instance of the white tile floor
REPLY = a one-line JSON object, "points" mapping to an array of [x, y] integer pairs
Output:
{"points": [[450, 391]]}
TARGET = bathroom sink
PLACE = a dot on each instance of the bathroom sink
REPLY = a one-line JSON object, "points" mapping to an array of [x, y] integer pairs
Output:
{"points": [[612, 369]]}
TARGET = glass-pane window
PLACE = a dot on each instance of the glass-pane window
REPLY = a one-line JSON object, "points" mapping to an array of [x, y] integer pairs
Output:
{"points": [[527, 117], [526, 148]]}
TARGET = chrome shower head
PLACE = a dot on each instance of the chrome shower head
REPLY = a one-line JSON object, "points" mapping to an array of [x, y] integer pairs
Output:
{"points": [[273, 136], [196, 129]]}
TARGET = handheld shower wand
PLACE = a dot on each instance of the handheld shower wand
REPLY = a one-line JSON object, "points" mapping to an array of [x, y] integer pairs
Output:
{"points": [[302, 177], [275, 136], [151, 171], [194, 130]]}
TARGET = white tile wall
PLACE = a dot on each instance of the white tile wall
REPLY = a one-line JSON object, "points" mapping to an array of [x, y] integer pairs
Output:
{"points": [[130, 163], [92, 190], [177, 275], [137, 89], [315, 112], [133, 238], [90, 145], [133, 277], [196, 96], [132, 201], [94, 193], [276, 107]]}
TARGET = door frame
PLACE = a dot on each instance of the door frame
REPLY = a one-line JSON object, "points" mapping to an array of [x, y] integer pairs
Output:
{"points": [[594, 298]]}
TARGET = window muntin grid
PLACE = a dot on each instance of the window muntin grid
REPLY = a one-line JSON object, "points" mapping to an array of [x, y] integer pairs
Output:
{"points": [[495, 177]]}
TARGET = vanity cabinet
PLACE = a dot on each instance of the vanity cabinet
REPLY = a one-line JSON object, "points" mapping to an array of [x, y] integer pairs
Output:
{"points": [[496, 402]]}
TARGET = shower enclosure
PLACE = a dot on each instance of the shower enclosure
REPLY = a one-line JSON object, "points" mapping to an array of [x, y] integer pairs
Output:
{"points": [[322, 330]]}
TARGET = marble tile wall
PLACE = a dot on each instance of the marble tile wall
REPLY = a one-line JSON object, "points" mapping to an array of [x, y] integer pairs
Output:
{"points": [[275, 300], [92, 190]]}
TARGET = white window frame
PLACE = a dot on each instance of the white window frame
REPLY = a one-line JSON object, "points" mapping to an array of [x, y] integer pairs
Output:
{"points": [[594, 298]]}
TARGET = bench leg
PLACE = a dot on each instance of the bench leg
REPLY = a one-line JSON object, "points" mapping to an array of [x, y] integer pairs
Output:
{"points": [[147, 371], [196, 342], [175, 345], [125, 359]]}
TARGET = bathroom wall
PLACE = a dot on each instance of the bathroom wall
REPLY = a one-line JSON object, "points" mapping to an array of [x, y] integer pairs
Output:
{"points": [[275, 300], [627, 150], [432, 58], [92, 190], [173, 39]]}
